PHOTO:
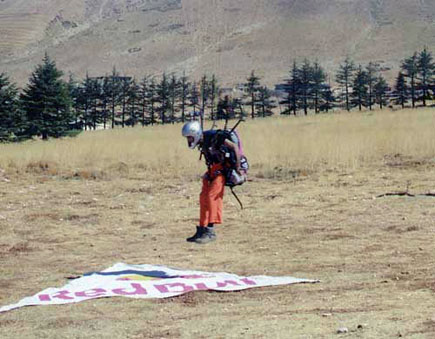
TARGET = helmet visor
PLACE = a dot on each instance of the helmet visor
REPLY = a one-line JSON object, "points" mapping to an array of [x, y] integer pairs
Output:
{"points": [[190, 141]]}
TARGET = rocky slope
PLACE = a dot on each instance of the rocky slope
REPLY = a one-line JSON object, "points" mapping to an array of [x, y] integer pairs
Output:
{"points": [[228, 38]]}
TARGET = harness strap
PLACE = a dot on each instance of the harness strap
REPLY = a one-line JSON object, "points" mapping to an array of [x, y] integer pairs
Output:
{"points": [[237, 198]]}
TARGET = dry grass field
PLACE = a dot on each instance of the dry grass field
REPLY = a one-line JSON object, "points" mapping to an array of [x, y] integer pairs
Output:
{"points": [[313, 209]]}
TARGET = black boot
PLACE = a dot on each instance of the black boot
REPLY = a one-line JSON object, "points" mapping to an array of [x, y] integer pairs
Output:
{"points": [[199, 232], [207, 236]]}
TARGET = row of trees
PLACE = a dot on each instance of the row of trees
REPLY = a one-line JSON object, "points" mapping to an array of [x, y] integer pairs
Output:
{"points": [[49, 106], [365, 86], [308, 87], [124, 101]]}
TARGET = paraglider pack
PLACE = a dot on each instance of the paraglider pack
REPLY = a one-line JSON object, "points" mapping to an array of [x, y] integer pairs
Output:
{"points": [[215, 151]]}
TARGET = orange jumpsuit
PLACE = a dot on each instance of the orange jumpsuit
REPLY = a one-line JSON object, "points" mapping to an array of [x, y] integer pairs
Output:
{"points": [[211, 197]]}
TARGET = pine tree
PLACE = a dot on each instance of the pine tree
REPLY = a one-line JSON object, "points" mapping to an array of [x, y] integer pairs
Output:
{"points": [[400, 90], [12, 120], [372, 70], [163, 98], [46, 101], [204, 93], [95, 96], [143, 98], [318, 84], [84, 100], [74, 93], [410, 69], [291, 89], [125, 91], [114, 93], [214, 90], [380, 92], [236, 109], [252, 87], [305, 85], [345, 77], [184, 94], [360, 88], [224, 109], [174, 94], [264, 103], [328, 99], [133, 103], [152, 100], [105, 93], [426, 71], [193, 98]]}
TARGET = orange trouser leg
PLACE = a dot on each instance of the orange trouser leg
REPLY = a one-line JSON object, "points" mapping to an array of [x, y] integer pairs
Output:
{"points": [[211, 201]]}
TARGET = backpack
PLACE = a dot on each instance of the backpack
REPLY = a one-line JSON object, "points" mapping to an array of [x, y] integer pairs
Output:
{"points": [[232, 177]]}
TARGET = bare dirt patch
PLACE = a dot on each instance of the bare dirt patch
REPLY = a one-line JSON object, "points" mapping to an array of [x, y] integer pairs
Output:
{"points": [[373, 256], [402, 161], [19, 248]]}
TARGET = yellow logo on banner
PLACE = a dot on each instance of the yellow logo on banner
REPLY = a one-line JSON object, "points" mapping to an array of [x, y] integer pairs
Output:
{"points": [[138, 277]]}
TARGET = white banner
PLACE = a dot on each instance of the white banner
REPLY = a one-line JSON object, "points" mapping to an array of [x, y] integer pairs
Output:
{"points": [[146, 281]]}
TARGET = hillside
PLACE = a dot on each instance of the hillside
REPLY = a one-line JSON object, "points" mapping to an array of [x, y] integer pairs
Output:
{"points": [[225, 37]]}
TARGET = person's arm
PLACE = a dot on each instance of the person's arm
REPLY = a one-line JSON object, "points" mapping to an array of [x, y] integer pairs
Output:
{"points": [[235, 148]]}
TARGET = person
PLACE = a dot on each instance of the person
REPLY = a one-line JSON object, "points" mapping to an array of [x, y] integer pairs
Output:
{"points": [[216, 148]]}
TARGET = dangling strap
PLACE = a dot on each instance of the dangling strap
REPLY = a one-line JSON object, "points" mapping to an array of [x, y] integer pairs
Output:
{"points": [[237, 198]]}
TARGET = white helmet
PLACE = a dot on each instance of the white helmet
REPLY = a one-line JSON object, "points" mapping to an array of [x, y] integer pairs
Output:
{"points": [[193, 132]]}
